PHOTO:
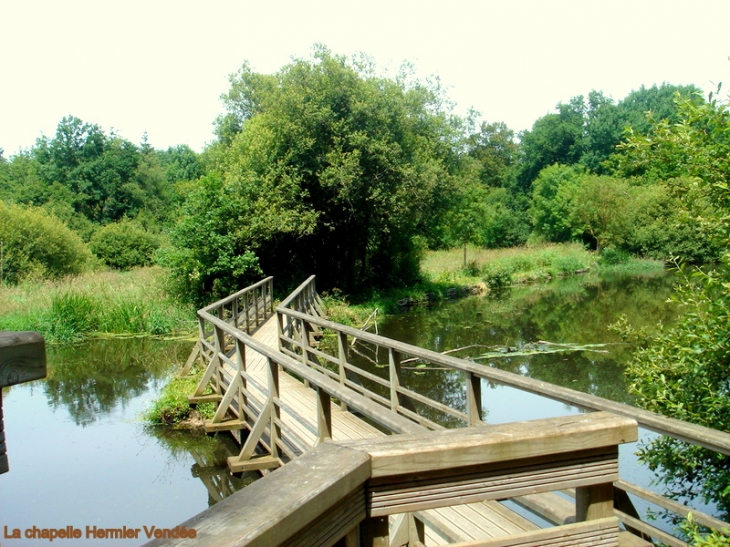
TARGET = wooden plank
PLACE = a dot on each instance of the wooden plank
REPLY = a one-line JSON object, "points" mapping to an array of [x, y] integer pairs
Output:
{"points": [[504, 442], [22, 357], [199, 399], [627, 539], [492, 482], [701, 518], [595, 533], [549, 505], [297, 495]]}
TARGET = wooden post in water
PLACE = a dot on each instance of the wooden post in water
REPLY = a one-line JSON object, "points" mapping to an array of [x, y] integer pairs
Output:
{"points": [[22, 359]]}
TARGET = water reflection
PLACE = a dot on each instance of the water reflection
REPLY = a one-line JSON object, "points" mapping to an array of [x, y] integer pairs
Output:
{"points": [[107, 467], [210, 456], [575, 311], [92, 378]]}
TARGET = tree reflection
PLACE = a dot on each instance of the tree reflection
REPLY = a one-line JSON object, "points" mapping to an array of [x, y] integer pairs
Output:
{"points": [[93, 378]]}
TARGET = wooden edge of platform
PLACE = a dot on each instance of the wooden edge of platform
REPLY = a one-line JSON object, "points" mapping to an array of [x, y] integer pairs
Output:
{"points": [[444, 449]]}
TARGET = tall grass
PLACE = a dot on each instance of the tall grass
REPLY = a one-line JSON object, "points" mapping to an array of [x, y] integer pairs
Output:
{"points": [[499, 267], [98, 303]]}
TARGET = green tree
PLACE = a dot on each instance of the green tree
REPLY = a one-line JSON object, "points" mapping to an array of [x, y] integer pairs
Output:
{"points": [[107, 177], [552, 202], [335, 171], [601, 208], [685, 372], [554, 138]]}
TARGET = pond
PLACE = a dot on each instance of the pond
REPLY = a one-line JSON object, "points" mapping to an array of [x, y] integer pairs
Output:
{"points": [[80, 455]]}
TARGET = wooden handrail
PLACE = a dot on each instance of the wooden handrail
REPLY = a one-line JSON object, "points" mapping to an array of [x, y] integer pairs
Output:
{"points": [[347, 489], [301, 326], [712, 439]]}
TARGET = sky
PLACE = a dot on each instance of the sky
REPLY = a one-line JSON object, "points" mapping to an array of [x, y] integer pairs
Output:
{"points": [[160, 66]]}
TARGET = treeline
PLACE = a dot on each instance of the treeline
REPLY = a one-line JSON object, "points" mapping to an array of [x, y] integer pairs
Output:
{"points": [[85, 196], [329, 167]]}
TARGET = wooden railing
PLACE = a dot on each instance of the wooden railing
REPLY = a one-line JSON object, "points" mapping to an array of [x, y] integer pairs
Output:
{"points": [[243, 311], [343, 493], [327, 357], [264, 418], [331, 352]]}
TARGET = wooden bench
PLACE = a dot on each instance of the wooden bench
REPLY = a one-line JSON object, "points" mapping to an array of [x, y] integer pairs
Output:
{"points": [[344, 493]]}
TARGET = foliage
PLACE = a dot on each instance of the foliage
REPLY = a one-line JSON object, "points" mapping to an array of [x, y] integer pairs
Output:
{"points": [[124, 245], [37, 244], [325, 168], [172, 406], [685, 372], [586, 131], [209, 257], [601, 208], [552, 194], [699, 537]]}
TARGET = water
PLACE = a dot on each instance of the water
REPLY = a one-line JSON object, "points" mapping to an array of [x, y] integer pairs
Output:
{"points": [[81, 456]]}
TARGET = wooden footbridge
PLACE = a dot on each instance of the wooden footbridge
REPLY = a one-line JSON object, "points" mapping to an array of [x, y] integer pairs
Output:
{"points": [[371, 461]]}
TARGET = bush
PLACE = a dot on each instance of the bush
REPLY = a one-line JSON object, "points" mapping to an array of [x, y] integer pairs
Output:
{"points": [[612, 257], [36, 244], [123, 245]]}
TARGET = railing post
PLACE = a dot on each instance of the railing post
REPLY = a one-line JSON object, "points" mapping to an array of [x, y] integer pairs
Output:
{"points": [[22, 359], [220, 346], [593, 502], [234, 311], [342, 354], [241, 361], [324, 416], [276, 410], [474, 398], [4, 467], [374, 532], [394, 366]]}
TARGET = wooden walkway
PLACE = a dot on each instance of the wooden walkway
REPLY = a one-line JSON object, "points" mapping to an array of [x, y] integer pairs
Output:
{"points": [[282, 394], [445, 525]]}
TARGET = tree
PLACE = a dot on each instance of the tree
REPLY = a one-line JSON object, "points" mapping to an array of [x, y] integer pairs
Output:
{"points": [[334, 171], [685, 372], [552, 196], [554, 138], [106, 178], [494, 147], [601, 207]]}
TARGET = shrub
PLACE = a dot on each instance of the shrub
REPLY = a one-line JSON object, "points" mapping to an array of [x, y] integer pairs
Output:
{"points": [[612, 257], [36, 244], [123, 245]]}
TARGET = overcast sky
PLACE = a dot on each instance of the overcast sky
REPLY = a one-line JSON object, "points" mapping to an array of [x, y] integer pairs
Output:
{"points": [[160, 66]]}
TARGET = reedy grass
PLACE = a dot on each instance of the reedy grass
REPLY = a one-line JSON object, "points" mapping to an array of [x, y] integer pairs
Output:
{"points": [[93, 304], [172, 407]]}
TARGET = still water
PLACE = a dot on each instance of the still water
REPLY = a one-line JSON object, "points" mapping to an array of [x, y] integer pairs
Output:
{"points": [[81, 456]]}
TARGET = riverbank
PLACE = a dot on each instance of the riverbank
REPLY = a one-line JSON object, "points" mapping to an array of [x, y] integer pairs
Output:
{"points": [[96, 304], [445, 276]]}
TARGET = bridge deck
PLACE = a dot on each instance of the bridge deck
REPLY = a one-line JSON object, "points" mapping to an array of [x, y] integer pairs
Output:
{"points": [[466, 522]]}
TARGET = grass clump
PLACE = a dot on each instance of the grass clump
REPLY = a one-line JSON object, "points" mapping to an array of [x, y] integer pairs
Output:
{"points": [[172, 407]]}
